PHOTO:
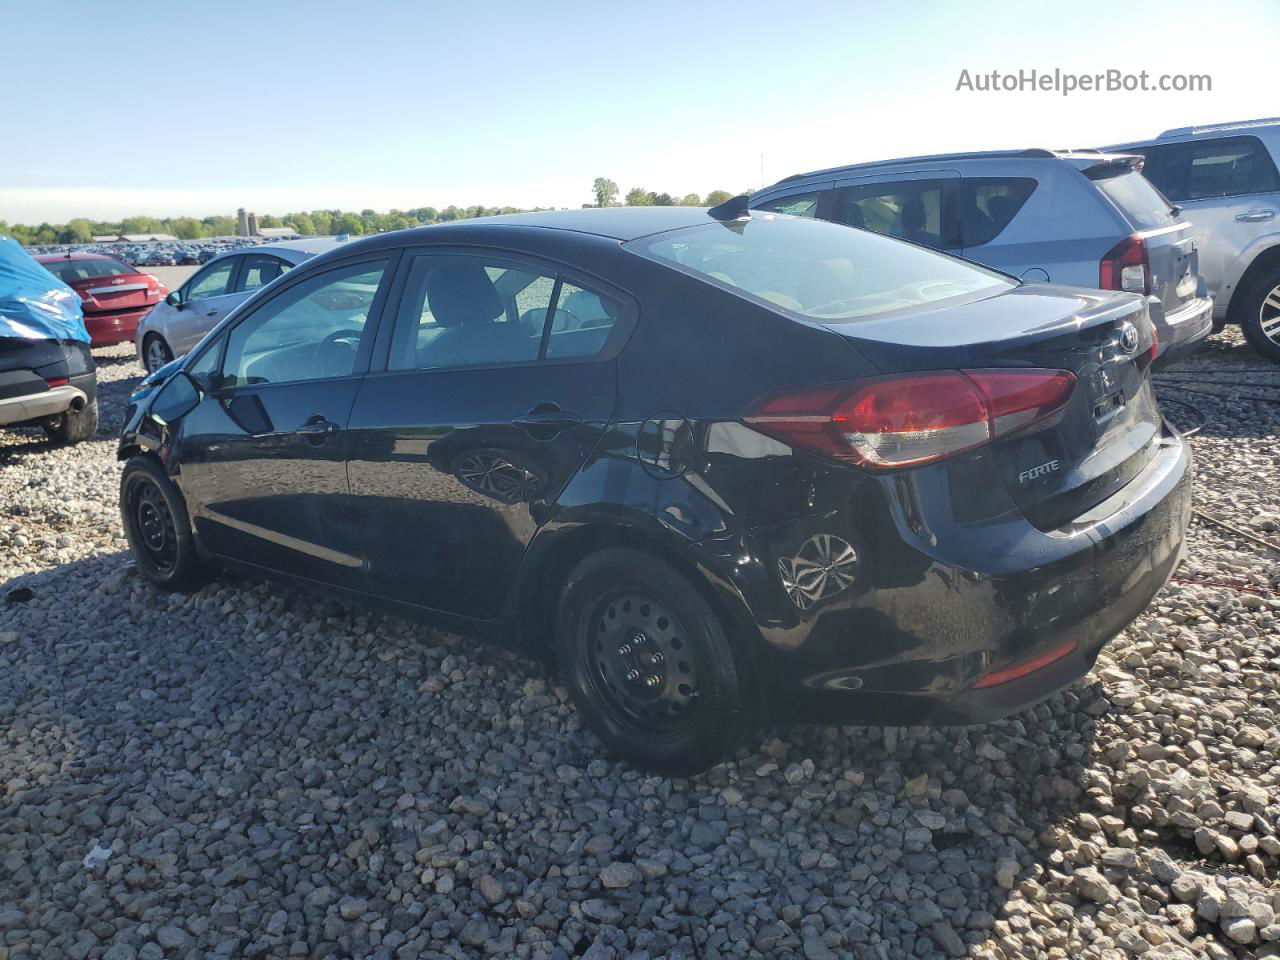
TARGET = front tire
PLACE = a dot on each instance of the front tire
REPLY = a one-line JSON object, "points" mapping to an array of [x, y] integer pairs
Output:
{"points": [[649, 665], [155, 352], [74, 426], [1260, 315], [158, 527]]}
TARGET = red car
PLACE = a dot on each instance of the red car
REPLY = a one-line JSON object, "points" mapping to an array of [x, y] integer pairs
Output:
{"points": [[114, 295]]}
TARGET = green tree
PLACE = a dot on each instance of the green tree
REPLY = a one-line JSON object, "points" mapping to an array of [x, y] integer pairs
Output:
{"points": [[348, 223], [716, 197], [691, 200], [302, 223], [606, 192], [663, 200], [639, 197]]}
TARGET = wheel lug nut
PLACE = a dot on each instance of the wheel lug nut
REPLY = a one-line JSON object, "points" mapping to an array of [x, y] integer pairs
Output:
{"points": [[624, 649], [639, 638], [633, 675], [655, 658], [652, 680]]}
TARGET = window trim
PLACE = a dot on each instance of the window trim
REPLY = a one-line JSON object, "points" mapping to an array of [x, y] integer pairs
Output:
{"points": [[976, 182], [221, 333], [560, 272]]}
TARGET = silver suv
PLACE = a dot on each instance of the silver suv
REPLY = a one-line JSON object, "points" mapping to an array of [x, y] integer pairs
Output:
{"points": [[1224, 177], [1087, 219]]}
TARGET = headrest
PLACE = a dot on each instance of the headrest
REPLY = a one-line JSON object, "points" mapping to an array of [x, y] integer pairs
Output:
{"points": [[459, 291]]}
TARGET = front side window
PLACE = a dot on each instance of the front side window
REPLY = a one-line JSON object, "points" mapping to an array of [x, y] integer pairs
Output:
{"points": [[912, 210], [797, 205], [214, 281], [259, 271], [469, 311], [312, 331], [1203, 169], [819, 270]]}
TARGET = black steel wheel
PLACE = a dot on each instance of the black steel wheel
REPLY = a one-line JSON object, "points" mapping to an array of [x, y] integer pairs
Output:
{"points": [[649, 664], [154, 523], [643, 667], [157, 527]]}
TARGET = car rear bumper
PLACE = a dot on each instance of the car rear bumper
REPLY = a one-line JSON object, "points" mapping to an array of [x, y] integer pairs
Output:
{"points": [[111, 328], [924, 622], [36, 406], [1182, 332]]}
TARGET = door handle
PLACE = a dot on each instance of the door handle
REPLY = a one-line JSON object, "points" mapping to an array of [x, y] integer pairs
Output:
{"points": [[317, 429], [547, 418], [211, 313], [1256, 216]]}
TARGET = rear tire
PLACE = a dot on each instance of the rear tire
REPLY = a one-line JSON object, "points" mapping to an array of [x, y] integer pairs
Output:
{"points": [[649, 665], [155, 352], [1260, 315], [74, 426], [158, 527]]}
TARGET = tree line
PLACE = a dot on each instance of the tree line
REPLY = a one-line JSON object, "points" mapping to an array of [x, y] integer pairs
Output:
{"points": [[606, 194], [328, 222], [310, 223]]}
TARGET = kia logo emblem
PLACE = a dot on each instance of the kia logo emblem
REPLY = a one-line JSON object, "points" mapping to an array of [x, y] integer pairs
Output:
{"points": [[1129, 338]]}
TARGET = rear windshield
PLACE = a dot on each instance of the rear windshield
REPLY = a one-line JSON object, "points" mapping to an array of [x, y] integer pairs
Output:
{"points": [[817, 269], [69, 270], [1140, 202]]}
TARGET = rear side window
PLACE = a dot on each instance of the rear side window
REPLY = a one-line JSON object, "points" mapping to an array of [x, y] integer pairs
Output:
{"points": [[259, 271], [796, 205], [1202, 169], [819, 270], [467, 311], [1140, 202], [915, 210], [988, 204]]}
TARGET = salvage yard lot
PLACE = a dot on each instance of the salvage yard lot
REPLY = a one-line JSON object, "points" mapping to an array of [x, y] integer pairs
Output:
{"points": [[264, 773]]}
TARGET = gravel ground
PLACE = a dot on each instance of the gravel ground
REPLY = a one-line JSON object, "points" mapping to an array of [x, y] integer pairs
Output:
{"points": [[254, 772]]}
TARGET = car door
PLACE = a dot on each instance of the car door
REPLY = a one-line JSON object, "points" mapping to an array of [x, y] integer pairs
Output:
{"points": [[498, 379], [207, 297], [914, 205], [264, 453], [1229, 191]]}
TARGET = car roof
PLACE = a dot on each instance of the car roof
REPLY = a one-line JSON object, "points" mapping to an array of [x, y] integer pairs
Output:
{"points": [[1080, 159], [612, 223], [295, 251], [1187, 133]]}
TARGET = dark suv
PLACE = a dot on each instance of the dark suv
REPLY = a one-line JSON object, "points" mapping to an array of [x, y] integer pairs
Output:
{"points": [[724, 466]]}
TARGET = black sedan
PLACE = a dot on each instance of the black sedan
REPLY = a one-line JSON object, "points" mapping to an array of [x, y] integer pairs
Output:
{"points": [[723, 466]]}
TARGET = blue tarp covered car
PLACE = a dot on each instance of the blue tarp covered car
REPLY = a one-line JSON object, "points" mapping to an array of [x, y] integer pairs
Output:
{"points": [[47, 374]]}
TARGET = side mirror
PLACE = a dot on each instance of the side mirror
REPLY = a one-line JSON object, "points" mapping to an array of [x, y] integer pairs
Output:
{"points": [[174, 299], [178, 397]]}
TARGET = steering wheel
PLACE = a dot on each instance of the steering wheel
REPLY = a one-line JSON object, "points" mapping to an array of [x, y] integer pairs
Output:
{"points": [[337, 362]]}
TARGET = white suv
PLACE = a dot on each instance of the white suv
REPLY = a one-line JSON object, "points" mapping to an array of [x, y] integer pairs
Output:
{"points": [[1225, 179]]}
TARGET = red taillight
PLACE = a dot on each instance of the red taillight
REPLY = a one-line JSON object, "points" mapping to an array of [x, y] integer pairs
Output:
{"points": [[906, 421], [1125, 267], [1020, 670], [57, 382]]}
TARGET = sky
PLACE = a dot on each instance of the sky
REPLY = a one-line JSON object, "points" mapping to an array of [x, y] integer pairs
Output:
{"points": [[170, 109]]}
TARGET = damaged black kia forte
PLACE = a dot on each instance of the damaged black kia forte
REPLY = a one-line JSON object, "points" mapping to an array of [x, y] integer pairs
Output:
{"points": [[724, 466]]}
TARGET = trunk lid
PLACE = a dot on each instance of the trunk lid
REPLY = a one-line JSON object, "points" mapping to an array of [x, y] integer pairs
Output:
{"points": [[118, 292], [1058, 468]]}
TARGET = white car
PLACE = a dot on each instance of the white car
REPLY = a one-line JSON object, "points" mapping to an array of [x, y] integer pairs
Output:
{"points": [[175, 325]]}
